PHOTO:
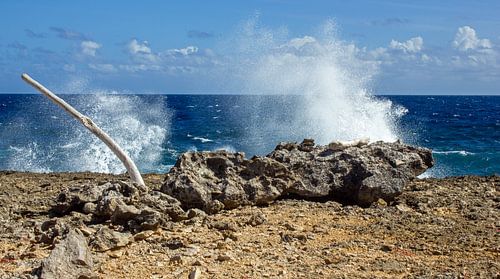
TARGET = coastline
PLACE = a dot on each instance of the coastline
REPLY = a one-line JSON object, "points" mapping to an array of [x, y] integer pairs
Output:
{"points": [[437, 227]]}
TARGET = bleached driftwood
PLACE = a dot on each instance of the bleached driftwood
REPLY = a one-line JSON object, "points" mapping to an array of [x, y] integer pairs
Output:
{"points": [[89, 124]]}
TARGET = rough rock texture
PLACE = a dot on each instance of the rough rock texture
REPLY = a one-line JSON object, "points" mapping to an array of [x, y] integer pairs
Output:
{"points": [[358, 173], [216, 180], [71, 258], [437, 228], [125, 204]]}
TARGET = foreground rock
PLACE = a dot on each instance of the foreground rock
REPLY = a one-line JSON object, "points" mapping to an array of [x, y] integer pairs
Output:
{"points": [[357, 173], [128, 205], [437, 228], [71, 258]]}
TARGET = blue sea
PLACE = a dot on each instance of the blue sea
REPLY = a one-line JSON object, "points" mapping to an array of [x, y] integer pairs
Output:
{"points": [[36, 135]]}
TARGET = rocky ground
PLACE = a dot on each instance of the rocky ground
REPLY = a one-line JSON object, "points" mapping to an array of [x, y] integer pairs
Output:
{"points": [[437, 228]]}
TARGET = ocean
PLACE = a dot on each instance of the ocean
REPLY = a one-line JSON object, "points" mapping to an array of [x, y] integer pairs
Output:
{"points": [[36, 135]]}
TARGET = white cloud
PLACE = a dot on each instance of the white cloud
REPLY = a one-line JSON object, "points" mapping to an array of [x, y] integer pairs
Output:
{"points": [[69, 68], [105, 68], [141, 51], [183, 51], [135, 47], [466, 39], [413, 45], [89, 47], [140, 68]]}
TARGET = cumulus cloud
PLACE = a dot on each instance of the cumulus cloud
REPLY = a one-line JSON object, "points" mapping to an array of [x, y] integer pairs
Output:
{"points": [[183, 51], [134, 47], [466, 39], [89, 47], [141, 52], [413, 45]]}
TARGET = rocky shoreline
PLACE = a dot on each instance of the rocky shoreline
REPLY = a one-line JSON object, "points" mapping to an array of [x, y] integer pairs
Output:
{"points": [[266, 217]]}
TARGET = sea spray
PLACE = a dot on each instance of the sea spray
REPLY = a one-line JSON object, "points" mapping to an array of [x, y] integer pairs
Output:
{"points": [[326, 74], [139, 125]]}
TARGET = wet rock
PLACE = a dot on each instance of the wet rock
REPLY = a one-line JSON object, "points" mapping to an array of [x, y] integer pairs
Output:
{"points": [[71, 258]]}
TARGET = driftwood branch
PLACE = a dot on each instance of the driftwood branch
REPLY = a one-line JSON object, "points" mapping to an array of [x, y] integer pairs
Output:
{"points": [[89, 124]]}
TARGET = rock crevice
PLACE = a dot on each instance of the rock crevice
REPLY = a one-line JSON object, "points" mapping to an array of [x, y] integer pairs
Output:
{"points": [[358, 173]]}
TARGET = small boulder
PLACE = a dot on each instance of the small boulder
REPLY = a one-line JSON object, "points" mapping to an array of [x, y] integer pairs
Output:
{"points": [[71, 258]]}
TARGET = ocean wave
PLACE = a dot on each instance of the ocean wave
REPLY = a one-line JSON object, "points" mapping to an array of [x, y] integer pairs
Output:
{"points": [[203, 140], [460, 152], [227, 148], [139, 131], [70, 145]]}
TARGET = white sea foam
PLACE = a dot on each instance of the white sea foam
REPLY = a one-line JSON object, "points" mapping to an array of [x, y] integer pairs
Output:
{"points": [[203, 140], [29, 158], [227, 148], [327, 75], [459, 152], [140, 127]]}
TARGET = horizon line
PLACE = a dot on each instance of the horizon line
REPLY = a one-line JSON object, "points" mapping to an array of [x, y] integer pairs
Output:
{"points": [[249, 94]]}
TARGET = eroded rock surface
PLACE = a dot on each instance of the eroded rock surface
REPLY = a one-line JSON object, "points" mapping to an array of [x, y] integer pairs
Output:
{"points": [[125, 204], [71, 258], [359, 173], [213, 181]]}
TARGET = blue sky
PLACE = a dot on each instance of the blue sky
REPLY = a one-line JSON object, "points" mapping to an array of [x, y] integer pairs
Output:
{"points": [[418, 47]]}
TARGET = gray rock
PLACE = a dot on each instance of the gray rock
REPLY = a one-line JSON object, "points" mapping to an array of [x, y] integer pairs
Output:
{"points": [[71, 258], [74, 198], [122, 203], [355, 172], [213, 181], [107, 239], [360, 173]]}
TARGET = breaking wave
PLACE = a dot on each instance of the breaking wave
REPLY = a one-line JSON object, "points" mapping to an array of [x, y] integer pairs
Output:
{"points": [[139, 126], [327, 75]]}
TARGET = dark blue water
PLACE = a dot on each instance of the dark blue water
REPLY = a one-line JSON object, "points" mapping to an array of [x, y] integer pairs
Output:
{"points": [[35, 135]]}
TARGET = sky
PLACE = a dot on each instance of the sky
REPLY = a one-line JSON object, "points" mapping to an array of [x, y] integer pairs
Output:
{"points": [[417, 47]]}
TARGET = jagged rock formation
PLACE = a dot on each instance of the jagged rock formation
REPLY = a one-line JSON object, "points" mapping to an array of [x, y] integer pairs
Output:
{"points": [[126, 204], [71, 258], [356, 172]]}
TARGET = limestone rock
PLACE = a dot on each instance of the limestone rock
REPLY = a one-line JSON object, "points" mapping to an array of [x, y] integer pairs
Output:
{"points": [[107, 239], [213, 181], [71, 258], [360, 173], [354, 172], [122, 203]]}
